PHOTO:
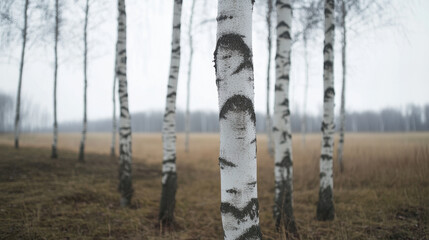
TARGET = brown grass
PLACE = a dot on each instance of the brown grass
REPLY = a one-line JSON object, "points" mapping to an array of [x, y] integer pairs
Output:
{"points": [[383, 193]]}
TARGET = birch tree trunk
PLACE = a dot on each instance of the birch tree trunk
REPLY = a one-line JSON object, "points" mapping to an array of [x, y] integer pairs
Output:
{"points": [[21, 69], [235, 83], [114, 125], [125, 183], [304, 108], [283, 169], [169, 175], [325, 206], [85, 85], [188, 91], [268, 121], [343, 89], [55, 138]]}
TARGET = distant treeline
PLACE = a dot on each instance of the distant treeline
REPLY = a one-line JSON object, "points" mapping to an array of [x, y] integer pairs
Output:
{"points": [[413, 118]]}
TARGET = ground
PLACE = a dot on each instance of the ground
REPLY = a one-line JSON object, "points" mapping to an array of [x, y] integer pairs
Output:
{"points": [[383, 192]]}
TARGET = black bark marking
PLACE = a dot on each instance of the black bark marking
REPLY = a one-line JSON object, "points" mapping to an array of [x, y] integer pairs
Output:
{"points": [[328, 94], [225, 163], [322, 175], [254, 232], [172, 160], [285, 35], [251, 210], [283, 24], [325, 206], [177, 26], [328, 48], [253, 141], [275, 129], [284, 77], [237, 104], [285, 103], [175, 50], [252, 184], [286, 160], [223, 17], [326, 157], [232, 190], [278, 87], [172, 94], [234, 42], [328, 65], [283, 5], [326, 141]]}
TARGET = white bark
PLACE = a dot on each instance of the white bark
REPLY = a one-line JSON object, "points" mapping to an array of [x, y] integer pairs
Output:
{"points": [[235, 82], [304, 108], [55, 138], [21, 70], [85, 85], [125, 153], [114, 124], [268, 121], [188, 91], [283, 170], [169, 176], [343, 89], [325, 207]]}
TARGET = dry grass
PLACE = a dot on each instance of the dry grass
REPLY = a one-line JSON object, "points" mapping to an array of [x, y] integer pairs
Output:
{"points": [[383, 193]]}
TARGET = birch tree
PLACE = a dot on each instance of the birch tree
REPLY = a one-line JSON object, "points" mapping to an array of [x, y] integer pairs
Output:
{"points": [[55, 129], [125, 183], [343, 88], [325, 206], [235, 83], [268, 121], [85, 84], [112, 147], [169, 175], [283, 169], [21, 70], [188, 91]]}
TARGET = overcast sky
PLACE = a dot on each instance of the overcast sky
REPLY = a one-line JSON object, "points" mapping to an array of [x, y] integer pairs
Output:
{"points": [[387, 66]]}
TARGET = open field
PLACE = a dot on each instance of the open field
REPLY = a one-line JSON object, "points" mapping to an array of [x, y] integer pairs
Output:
{"points": [[382, 194]]}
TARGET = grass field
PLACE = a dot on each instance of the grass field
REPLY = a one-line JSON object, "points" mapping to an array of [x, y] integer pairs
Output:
{"points": [[382, 194]]}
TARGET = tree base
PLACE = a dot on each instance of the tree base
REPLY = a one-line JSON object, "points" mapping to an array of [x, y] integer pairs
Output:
{"points": [[325, 206], [16, 143], [54, 154], [112, 152], [82, 153], [125, 202], [168, 200]]}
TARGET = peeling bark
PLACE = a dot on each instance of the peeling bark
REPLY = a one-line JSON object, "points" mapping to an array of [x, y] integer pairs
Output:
{"points": [[235, 83]]}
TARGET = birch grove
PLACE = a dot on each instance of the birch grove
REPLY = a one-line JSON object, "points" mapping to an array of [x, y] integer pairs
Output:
{"points": [[325, 206], [85, 85], [125, 182], [235, 83], [283, 169], [21, 70], [169, 175]]}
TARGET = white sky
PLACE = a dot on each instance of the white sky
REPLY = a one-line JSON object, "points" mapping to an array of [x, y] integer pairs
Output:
{"points": [[387, 67]]}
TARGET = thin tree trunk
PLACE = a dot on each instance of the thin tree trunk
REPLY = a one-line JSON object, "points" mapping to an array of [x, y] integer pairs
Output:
{"points": [[55, 139], [85, 85], [21, 69], [125, 153], [325, 206], [114, 124], [343, 90], [169, 175], [188, 91], [268, 121], [304, 108], [283, 169], [235, 83]]}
